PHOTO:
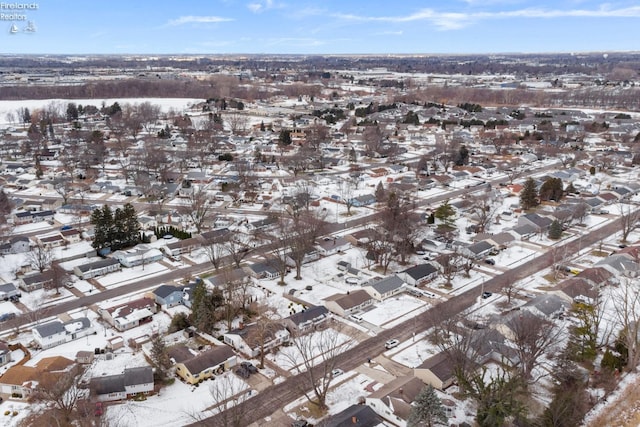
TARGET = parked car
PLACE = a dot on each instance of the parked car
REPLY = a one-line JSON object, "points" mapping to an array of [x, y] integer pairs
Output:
{"points": [[490, 261], [337, 372], [99, 409], [300, 423], [249, 367], [486, 294], [391, 344], [356, 318], [7, 316], [242, 372]]}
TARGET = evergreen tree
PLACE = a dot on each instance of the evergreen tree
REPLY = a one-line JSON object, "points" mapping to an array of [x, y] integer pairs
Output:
{"points": [[285, 137], [555, 230], [427, 409], [462, 156], [202, 309], [102, 221], [528, 194], [551, 189], [160, 357], [380, 193], [445, 213], [130, 225]]}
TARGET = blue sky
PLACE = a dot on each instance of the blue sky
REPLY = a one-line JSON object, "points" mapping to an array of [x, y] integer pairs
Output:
{"points": [[323, 27]]}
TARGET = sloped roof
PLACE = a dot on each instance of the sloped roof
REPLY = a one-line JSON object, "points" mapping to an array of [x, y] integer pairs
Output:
{"points": [[352, 299], [209, 359], [421, 270], [387, 284]]}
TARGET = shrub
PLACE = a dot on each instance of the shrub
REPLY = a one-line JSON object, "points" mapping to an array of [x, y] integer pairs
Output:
{"points": [[7, 413]]}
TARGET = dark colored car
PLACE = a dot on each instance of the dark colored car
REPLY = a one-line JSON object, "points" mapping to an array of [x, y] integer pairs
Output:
{"points": [[490, 261], [249, 367], [243, 373], [486, 294]]}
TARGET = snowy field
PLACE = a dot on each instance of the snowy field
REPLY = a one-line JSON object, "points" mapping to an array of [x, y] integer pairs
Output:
{"points": [[130, 275]]}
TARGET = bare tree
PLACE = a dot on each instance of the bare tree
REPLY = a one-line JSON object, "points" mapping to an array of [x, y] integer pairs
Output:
{"points": [[267, 324], [449, 266], [347, 192], [61, 390], [230, 398], [628, 220], [533, 336], [237, 122], [59, 277], [214, 246], [627, 315], [315, 356], [239, 246], [198, 207], [40, 257], [483, 209], [306, 226]]}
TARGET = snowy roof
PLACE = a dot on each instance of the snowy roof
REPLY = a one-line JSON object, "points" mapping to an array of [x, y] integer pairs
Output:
{"points": [[49, 329], [209, 359]]}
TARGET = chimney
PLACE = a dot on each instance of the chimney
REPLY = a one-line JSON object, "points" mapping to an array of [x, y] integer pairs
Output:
{"points": [[354, 420], [400, 390], [241, 325]]}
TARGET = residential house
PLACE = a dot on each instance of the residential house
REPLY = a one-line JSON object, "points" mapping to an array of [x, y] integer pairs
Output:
{"points": [[15, 245], [500, 240], [547, 305], [167, 296], [387, 287], [478, 250], [577, 289], [56, 332], [185, 246], [129, 315], [8, 291], [51, 241], [206, 364], [327, 247], [621, 265], [5, 353], [310, 255], [306, 320], [248, 339], [97, 268], [29, 217], [132, 382], [354, 416], [263, 270], [361, 237], [84, 357], [349, 303], [523, 232], [437, 371], [139, 255], [420, 274], [35, 281], [71, 236], [19, 381], [540, 223], [363, 200], [393, 400]]}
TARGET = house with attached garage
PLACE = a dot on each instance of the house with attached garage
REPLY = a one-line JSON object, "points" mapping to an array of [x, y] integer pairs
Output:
{"points": [[15, 245], [393, 401], [248, 339], [35, 281], [381, 289], [130, 314], [349, 303], [19, 381], [139, 255], [132, 382], [8, 291], [205, 365], [55, 333], [331, 246], [97, 268], [420, 274], [167, 296], [306, 320], [437, 371]]}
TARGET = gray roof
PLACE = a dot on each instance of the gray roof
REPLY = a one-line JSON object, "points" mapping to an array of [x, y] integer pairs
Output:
{"points": [[420, 271], [548, 304], [164, 291], [311, 313], [7, 288], [387, 284], [209, 359], [108, 384], [354, 416], [480, 247], [97, 264], [525, 229], [50, 328], [135, 376]]}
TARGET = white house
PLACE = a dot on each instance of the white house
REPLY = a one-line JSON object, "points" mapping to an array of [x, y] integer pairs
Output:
{"points": [[141, 254], [55, 333], [247, 339], [132, 382], [384, 288], [329, 247]]}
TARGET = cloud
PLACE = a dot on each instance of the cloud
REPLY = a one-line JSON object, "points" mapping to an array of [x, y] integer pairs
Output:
{"points": [[198, 20], [457, 20], [262, 5]]}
